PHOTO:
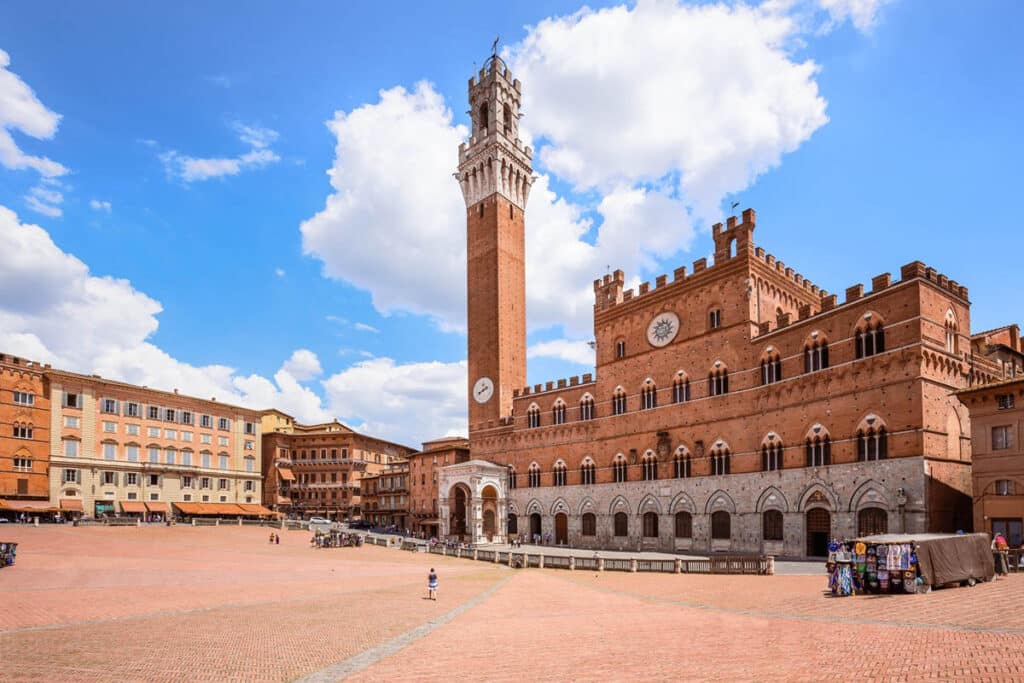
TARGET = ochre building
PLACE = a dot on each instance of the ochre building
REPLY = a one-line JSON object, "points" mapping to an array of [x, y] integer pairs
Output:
{"points": [[736, 406], [386, 496], [997, 436], [24, 438], [316, 470]]}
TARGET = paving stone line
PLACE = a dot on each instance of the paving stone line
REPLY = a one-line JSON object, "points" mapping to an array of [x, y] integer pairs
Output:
{"points": [[367, 658], [801, 617]]}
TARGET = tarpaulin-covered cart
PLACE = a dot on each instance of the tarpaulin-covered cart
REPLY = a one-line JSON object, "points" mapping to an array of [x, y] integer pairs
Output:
{"points": [[896, 563]]}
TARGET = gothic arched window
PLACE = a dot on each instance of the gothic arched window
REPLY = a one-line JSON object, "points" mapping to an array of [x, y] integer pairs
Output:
{"points": [[648, 396], [649, 466], [720, 459], [533, 476], [619, 468]]}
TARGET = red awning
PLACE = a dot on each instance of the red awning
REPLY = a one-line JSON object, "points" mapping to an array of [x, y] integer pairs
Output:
{"points": [[27, 505], [133, 506], [253, 509], [286, 473], [71, 505], [157, 508]]}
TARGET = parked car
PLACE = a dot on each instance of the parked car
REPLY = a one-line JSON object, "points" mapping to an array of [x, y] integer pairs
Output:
{"points": [[319, 520]]}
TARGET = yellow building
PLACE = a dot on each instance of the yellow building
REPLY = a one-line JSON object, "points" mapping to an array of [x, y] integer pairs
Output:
{"points": [[116, 449]]}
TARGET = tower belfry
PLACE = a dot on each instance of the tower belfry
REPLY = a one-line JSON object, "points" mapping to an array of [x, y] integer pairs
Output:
{"points": [[495, 176]]}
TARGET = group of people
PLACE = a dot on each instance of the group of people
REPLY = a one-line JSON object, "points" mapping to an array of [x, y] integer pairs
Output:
{"points": [[275, 539], [335, 539]]}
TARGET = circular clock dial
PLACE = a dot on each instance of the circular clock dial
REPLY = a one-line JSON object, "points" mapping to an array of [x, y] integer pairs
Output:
{"points": [[483, 390], [663, 328]]}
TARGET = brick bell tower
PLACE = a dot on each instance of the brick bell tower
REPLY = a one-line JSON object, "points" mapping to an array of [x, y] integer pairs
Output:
{"points": [[495, 176]]}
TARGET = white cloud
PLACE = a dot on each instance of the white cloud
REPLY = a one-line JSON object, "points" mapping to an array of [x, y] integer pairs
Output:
{"points": [[363, 327], [408, 403], [578, 352], [863, 14], [303, 365], [394, 204], [45, 200], [701, 99], [22, 111], [192, 169], [98, 205]]}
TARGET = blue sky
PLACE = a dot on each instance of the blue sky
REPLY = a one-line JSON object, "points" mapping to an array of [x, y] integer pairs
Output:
{"points": [[177, 159]]}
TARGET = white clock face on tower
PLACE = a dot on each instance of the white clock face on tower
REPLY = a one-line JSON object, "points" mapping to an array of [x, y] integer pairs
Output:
{"points": [[663, 329], [483, 390]]}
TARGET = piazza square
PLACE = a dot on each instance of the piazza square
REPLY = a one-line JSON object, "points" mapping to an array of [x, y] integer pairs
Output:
{"points": [[222, 604]]}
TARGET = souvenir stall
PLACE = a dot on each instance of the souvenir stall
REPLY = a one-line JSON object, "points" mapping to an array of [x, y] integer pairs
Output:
{"points": [[7, 553], [904, 563]]}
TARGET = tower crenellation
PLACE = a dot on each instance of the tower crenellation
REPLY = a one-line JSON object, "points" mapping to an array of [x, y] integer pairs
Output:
{"points": [[495, 160]]}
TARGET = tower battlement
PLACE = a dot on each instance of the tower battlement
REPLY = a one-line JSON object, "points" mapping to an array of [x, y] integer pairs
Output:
{"points": [[494, 160]]}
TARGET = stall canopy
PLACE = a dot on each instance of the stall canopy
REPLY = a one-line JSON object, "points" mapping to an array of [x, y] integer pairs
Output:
{"points": [[253, 509], [133, 506], [946, 558], [157, 508], [27, 505], [223, 509], [71, 505]]}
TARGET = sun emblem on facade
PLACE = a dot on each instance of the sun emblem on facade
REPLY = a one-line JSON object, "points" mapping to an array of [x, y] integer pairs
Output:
{"points": [[663, 329]]}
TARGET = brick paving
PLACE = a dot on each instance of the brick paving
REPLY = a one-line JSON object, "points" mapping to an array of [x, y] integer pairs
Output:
{"points": [[221, 604]]}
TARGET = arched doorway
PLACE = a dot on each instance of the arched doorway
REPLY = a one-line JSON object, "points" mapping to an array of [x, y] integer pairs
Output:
{"points": [[489, 526], [561, 529], [513, 524], [458, 518], [819, 528], [650, 525], [489, 508], [871, 521], [534, 525]]}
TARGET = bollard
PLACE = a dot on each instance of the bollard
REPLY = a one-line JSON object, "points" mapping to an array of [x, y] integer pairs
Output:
{"points": [[496, 553], [769, 568], [510, 561], [193, 521], [138, 522], [444, 550], [239, 521], [600, 564], [475, 555], [541, 563], [572, 563], [677, 566], [632, 565]]}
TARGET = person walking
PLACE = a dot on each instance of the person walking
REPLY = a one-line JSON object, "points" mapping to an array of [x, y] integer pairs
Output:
{"points": [[277, 539], [432, 585]]}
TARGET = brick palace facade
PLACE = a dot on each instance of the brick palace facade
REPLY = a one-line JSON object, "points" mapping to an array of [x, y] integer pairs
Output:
{"points": [[735, 406], [318, 469]]}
